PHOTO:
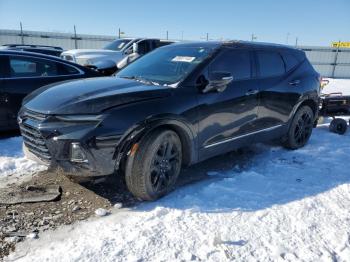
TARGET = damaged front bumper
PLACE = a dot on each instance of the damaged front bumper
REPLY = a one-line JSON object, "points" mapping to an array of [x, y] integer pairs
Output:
{"points": [[79, 145]]}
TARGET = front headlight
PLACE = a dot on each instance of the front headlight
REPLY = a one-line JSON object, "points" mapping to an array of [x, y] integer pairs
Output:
{"points": [[68, 57], [83, 61]]}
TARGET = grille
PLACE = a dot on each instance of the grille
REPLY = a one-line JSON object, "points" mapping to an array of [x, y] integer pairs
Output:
{"points": [[32, 138]]}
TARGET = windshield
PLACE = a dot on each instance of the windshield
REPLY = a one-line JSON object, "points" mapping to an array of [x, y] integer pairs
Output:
{"points": [[167, 65], [117, 45]]}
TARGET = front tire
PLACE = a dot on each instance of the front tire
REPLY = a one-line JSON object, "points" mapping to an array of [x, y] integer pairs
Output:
{"points": [[152, 171], [300, 129]]}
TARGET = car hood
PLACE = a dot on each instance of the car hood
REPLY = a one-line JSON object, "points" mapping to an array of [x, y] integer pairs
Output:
{"points": [[91, 96], [80, 52], [93, 56]]}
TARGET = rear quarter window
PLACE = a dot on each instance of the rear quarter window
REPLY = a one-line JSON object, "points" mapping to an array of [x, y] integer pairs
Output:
{"points": [[270, 63]]}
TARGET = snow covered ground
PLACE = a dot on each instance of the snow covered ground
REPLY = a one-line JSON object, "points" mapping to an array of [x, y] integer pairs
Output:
{"points": [[14, 167], [281, 206]]}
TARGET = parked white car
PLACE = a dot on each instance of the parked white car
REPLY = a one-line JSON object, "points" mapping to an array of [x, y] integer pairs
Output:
{"points": [[113, 52]]}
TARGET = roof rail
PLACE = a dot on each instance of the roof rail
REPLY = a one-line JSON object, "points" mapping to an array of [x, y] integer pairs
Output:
{"points": [[34, 46]]}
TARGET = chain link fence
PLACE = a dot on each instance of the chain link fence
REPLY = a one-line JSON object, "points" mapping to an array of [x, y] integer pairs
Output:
{"points": [[328, 61]]}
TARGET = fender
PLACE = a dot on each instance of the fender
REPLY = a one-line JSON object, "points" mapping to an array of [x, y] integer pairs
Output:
{"points": [[186, 131]]}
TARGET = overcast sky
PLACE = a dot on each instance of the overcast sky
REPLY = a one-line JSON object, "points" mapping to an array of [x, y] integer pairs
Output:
{"points": [[313, 22]]}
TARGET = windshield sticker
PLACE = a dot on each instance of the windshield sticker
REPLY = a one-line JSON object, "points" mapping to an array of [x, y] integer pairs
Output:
{"points": [[187, 59]]}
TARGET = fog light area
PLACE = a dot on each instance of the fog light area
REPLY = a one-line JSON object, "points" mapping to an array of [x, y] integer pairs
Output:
{"points": [[77, 154]]}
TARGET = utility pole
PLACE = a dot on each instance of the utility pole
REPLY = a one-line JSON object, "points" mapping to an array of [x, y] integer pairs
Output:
{"points": [[207, 36], [75, 38], [22, 36], [287, 39], [296, 41], [119, 33], [167, 35]]}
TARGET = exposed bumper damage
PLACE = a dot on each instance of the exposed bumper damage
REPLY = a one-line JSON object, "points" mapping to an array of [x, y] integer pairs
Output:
{"points": [[29, 194], [49, 141]]}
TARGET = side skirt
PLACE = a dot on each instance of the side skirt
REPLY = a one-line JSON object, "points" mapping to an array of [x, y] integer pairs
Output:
{"points": [[233, 143]]}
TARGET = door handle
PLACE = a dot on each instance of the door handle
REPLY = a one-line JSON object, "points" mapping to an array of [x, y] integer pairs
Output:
{"points": [[251, 92], [294, 82]]}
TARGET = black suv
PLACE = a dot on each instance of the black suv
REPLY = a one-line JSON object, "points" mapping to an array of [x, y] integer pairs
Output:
{"points": [[177, 105]]}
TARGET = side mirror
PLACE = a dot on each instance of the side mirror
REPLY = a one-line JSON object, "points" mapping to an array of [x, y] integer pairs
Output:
{"points": [[218, 81], [135, 48]]}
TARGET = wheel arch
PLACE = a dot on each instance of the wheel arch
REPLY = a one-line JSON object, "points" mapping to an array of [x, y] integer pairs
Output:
{"points": [[311, 103], [180, 127], [306, 101]]}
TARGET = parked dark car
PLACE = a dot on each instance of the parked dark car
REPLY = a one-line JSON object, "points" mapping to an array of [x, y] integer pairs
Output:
{"points": [[177, 105], [23, 72], [42, 49]]}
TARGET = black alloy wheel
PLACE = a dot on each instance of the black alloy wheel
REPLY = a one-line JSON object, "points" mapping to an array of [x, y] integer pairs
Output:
{"points": [[300, 129], [152, 171]]}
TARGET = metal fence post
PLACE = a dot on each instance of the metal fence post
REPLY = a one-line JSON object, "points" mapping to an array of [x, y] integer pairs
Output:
{"points": [[335, 60]]}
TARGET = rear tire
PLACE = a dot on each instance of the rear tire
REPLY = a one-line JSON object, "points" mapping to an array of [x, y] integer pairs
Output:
{"points": [[151, 172], [300, 129], [338, 126]]}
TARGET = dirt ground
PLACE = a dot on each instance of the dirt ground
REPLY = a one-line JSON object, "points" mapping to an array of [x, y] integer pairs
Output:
{"points": [[80, 199]]}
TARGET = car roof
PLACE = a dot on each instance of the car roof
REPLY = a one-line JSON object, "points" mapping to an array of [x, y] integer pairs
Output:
{"points": [[235, 44], [46, 47], [19, 52], [146, 38], [39, 55]]}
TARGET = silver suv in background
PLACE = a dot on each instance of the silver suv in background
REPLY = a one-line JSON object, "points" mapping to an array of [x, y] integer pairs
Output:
{"points": [[114, 52]]}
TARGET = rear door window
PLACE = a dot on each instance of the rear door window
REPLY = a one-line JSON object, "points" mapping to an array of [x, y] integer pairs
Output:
{"points": [[144, 47], [270, 63], [237, 62]]}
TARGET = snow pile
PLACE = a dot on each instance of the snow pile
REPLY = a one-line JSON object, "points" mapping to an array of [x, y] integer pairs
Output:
{"points": [[283, 205], [14, 166]]}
